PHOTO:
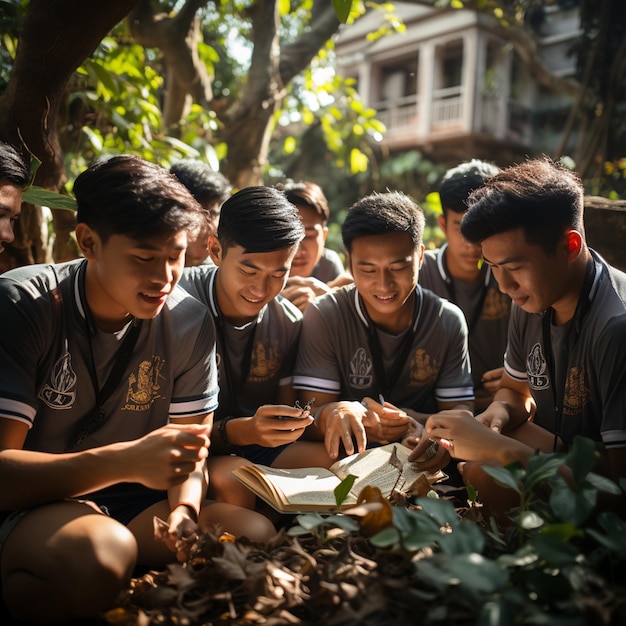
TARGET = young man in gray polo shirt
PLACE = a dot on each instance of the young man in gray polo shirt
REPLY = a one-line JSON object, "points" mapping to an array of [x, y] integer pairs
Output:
{"points": [[383, 354], [107, 392], [565, 363], [257, 338], [456, 272]]}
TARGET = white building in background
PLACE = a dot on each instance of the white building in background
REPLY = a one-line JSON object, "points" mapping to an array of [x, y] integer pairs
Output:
{"points": [[452, 87]]}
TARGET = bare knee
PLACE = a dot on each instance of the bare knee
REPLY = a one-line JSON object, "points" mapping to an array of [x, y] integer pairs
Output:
{"points": [[224, 487], [76, 570]]}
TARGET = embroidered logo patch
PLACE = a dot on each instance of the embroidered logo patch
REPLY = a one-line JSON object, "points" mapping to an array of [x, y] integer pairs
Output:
{"points": [[424, 369], [496, 307], [576, 391], [59, 392], [536, 368], [361, 369], [143, 386], [265, 362]]}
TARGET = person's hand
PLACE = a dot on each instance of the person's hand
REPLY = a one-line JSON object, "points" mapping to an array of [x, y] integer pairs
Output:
{"points": [[491, 380], [181, 533], [166, 456], [301, 291], [344, 421], [495, 417], [462, 435], [384, 423], [428, 454], [274, 425]]}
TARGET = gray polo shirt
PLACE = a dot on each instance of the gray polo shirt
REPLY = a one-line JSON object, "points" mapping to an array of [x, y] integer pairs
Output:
{"points": [[590, 361], [45, 361], [335, 356]]}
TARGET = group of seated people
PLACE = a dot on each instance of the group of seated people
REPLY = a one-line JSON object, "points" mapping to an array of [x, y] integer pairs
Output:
{"points": [[132, 384]]}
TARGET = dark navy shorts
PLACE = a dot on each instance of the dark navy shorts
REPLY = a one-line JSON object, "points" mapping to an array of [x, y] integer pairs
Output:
{"points": [[260, 454], [125, 501], [121, 502]]}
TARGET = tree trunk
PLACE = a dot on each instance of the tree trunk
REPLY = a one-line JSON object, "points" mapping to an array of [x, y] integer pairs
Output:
{"points": [[248, 123], [177, 39], [56, 37]]}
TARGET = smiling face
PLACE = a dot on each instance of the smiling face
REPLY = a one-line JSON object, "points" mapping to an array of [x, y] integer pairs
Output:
{"points": [[462, 257], [129, 277], [10, 206], [312, 246], [533, 279], [385, 270], [247, 281]]}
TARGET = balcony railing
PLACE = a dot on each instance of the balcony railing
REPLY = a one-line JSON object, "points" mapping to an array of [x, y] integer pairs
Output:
{"points": [[401, 117], [447, 107], [400, 113]]}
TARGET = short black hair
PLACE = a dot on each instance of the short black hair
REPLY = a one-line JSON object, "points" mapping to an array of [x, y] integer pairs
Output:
{"points": [[14, 168], [307, 194], [380, 213], [539, 196], [125, 195], [458, 182], [259, 219], [206, 185]]}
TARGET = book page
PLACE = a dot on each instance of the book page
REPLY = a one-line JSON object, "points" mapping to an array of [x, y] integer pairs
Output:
{"points": [[298, 487], [372, 467]]}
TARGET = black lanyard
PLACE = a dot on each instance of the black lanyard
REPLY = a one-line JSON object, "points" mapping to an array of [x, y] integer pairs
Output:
{"points": [[570, 341], [387, 380], [478, 309], [234, 383], [91, 421]]}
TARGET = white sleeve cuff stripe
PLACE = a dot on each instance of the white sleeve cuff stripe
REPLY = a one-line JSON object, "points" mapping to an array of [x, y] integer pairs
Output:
{"points": [[194, 407], [316, 384], [457, 394], [15, 407], [614, 438], [515, 374]]}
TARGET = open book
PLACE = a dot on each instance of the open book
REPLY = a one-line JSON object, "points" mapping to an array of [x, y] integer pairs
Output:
{"points": [[312, 488]]}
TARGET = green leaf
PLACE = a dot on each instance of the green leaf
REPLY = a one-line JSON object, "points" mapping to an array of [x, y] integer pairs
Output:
{"points": [[284, 6], [289, 145], [571, 506], [343, 489], [44, 197], [358, 161], [473, 573], [441, 511], [34, 166], [342, 9], [465, 538], [503, 477], [581, 457], [94, 137], [554, 549], [615, 538], [541, 467], [602, 483], [386, 538]]}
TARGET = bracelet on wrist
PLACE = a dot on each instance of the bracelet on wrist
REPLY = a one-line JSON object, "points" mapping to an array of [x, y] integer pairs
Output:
{"points": [[192, 510], [221, 430]]}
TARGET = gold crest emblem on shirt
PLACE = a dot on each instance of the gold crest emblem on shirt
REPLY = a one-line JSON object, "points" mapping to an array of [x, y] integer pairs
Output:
{"points": [[143, 387], [576, 391], [496, 306], [423, 369], [265, 362]]}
